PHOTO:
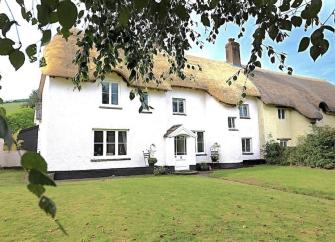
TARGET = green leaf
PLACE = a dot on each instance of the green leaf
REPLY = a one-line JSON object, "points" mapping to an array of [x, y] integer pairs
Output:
{"points": [[273, 31], [181, 12], [285, 6], [315, 52], [317, 36], [304, 43], [131, 95], [17, 58], [296, 21], [6, 46], [124, 16], [31, 51], [43, 14], [67, 13], [39, 178], [312, 9], [5, 131], [48, 206], [324, 46], [205, 20], [34, 161], [3, 20], [38, 190], [46, 37]]}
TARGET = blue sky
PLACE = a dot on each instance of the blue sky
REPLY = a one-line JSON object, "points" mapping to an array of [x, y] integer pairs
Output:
{"points": [[19, 84], [302, 63]]}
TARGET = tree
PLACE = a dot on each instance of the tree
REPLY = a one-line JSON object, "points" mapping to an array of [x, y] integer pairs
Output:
{"points": [[135, 31], [33, 99]]}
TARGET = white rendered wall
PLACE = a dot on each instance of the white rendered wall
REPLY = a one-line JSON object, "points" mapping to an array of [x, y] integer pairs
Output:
{"points": [[69, 118]]}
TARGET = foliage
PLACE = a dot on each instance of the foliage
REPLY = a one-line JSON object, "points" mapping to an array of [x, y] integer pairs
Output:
{"points": [[202, 167], [161, 170], [152, 161], [33, 99], [12, 107], [316, 149], [174, 208], [273, 152], [138, 30], [22, 119]]}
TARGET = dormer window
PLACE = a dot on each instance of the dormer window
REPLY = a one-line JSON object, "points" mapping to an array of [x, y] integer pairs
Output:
{"points": [[110, 93], [178, 105], [281, 113], [244, 111]]}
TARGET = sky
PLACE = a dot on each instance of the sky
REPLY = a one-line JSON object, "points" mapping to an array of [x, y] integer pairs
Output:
{"points": [[19, 84]]}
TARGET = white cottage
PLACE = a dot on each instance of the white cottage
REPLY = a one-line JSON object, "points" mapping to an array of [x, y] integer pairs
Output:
{"points": [[98, 131]]}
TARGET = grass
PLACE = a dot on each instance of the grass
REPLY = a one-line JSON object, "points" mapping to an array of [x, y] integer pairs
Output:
{"points": [[301, 180], [12, 107], [180, 208]]}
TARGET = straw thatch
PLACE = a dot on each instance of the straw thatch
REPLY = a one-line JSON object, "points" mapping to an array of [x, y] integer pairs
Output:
{"points": [[304, 94], [59, 54]]}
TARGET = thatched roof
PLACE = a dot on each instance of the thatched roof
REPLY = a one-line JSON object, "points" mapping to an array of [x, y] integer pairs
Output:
{"points": [[304, 94], [59, 54]]}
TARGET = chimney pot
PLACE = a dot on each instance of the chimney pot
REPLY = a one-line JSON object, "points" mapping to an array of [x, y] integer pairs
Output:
{"points": [[233, 52]]}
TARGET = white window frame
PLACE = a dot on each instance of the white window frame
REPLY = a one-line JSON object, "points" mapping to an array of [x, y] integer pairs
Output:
{"points": [[246, 106], [233, 121], [178, 100], [175, 145], [110, 93], [251, 148], [196, 141], [104, 149], [281, 113]]}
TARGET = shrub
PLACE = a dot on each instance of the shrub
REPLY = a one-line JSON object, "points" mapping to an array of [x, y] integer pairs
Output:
{"points": [[24, 118], [273, 152], [316, 149], [152, 161], [161, 170]]}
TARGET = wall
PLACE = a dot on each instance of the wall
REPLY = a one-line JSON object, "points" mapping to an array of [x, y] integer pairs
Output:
{"points": [[69, 117], [294, 126], [9, 159]]}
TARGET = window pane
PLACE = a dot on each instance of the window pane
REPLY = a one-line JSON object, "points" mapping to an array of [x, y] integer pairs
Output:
{"points": [[244, 110], [115, 94], [110, 137], [200, 147], [180, 145], [98, 149], [98, 136], [200, 141], [181, 106], [175, 105], [110, 149], [247, 145], [243, 145], [122, 146], [105, 93]]}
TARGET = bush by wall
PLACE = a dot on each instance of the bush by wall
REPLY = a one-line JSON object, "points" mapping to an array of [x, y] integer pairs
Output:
{"points": [[316, 149], [24, 118]]}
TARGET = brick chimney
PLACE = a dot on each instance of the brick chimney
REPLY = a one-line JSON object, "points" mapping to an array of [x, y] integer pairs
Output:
{"points": [[233, 52]]}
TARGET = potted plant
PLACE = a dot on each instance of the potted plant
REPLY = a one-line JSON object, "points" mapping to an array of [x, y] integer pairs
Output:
{"points": [[215, 152], [152, 161]]}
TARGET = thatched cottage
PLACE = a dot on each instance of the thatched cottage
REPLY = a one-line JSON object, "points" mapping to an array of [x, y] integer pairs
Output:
{"points": [[99, 131]]}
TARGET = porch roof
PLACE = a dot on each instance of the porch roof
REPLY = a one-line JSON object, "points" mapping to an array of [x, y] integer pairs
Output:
{"points": [[178, 129]]}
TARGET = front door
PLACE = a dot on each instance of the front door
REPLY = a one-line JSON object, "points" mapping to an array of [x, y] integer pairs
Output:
{"points": [[180, 151]]}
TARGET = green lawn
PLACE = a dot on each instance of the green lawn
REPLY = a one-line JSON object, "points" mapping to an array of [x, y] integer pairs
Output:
{"points": [[12, 107], [180, 208], [302, 180]]}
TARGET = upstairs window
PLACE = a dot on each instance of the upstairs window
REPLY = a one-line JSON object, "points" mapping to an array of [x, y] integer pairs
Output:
{"points": [[231, 122], [281, 113], [180, 145], [200, 142], [244, 111], [178, 105], [110, 93], [110, 143], [246, 145]]}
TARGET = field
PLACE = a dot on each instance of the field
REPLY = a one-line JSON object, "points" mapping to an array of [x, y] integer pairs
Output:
{"points": [[227, 207], [12, 107]]}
